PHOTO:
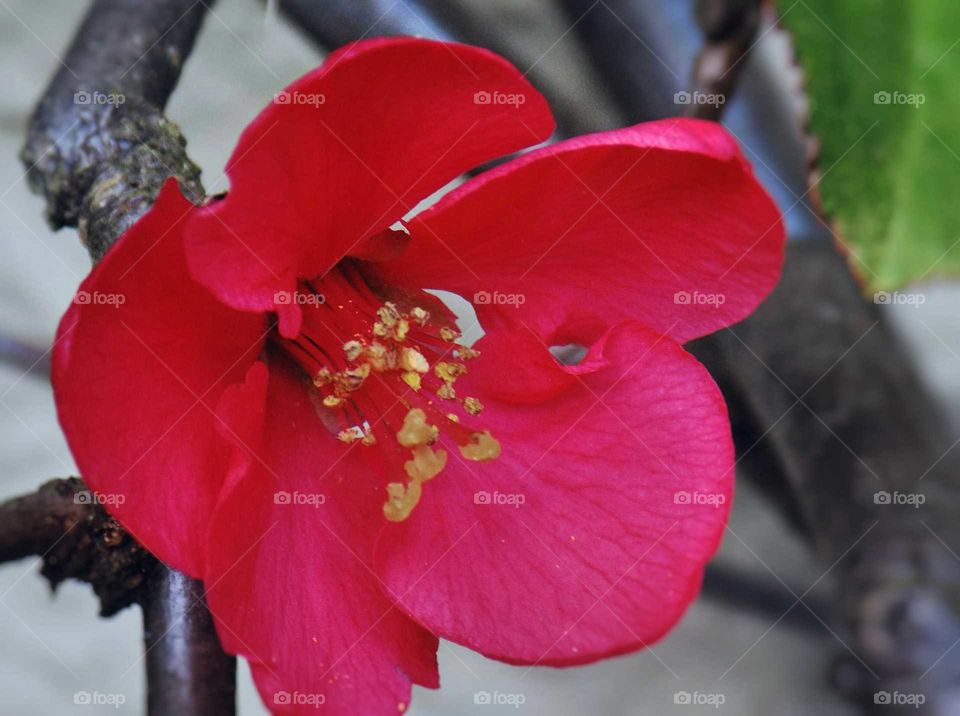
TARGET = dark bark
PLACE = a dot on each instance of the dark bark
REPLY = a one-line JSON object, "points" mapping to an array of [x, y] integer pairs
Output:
{"points": [[839, 402], [729, 28], [187, 672], [63, 524], [98, 146]]}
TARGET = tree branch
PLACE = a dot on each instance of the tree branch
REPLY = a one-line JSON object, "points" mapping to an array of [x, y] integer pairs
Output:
{"points": [[98, 146]]}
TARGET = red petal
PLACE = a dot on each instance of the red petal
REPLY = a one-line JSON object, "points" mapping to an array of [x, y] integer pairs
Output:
{"points": [[606, 228], [601, 557], [310, 182], [290, 581], [140, 360]]}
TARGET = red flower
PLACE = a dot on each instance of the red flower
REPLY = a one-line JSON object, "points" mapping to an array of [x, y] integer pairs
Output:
{"points": [[290, 418]]}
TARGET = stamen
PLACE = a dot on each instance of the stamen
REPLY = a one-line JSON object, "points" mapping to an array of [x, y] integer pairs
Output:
{"points": [[482, 447], [388, 352]]}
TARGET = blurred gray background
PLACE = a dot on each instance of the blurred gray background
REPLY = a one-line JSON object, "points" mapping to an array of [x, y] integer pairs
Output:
{"points": [[53, 646]]}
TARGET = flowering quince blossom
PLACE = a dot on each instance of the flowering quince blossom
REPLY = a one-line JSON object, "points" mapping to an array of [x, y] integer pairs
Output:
{"points": [[293, 419]]}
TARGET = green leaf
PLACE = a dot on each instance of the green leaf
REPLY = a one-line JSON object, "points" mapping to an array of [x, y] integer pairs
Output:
{"points": [[882, 78]]}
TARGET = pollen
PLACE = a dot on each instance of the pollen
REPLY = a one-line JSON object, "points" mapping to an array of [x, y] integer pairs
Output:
{"points": [[482, 447], [420, 316], [426, 463], [412, 379], [415, 430], [352, 350], [449, 372], [401, 499], [472, 406], [448, 334], [412, 359]]}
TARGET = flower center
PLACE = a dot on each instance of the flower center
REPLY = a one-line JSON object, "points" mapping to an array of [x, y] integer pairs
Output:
{"points": [[384, 374]]}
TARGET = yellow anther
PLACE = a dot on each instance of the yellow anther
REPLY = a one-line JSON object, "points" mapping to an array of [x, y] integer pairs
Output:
{"points": [[402, 329], [446, 392], [348, 436], [415, 430], [482, 447], [401, 499], [465, 353], [379, 329], [332, 401], [449, 372], [353, 378], [412, 379], [448, 334], [472, 406], [453, 418], [322, 378], [378, 357], [352, 350], [426, 463], [388, 314], [412, 359], [420, 316]]}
